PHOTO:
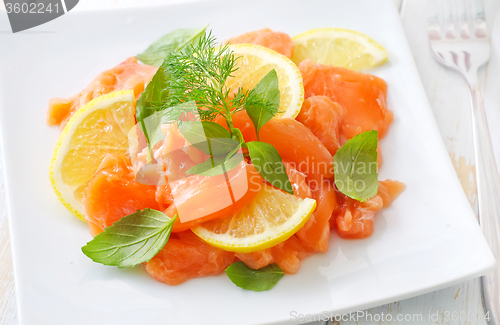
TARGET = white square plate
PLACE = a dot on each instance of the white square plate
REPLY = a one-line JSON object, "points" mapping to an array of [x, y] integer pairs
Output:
{"points": [[427, 240]]}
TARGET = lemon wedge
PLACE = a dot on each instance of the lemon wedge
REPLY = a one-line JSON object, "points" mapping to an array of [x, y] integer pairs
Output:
{"points": [[269, 219], [96, 129], [254, 62], [339, 47]]}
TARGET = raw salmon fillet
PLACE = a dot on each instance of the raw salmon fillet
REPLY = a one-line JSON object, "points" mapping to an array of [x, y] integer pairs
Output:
{"points": [[354, 219], [113, 193], [127, 75], [362, 96], [316, 232], [205, 194], [298, 181], [294, 142], [186, 256], [287, 255], [324, 118], [277, 41]]}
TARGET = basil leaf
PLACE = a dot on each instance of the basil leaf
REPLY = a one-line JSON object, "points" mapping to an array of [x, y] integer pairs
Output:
{"points": [[149, 102], [355, 166], [218, 165], [171, 42], [268, 163], [132, 240], [264, 100], [209, 137], [257, 280], [151, 99]]}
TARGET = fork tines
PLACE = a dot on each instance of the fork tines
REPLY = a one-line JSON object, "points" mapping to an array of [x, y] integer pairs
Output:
{"points": [[458, 19]]}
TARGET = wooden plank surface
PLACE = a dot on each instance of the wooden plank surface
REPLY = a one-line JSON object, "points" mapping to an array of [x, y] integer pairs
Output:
{"points": [[449, 100]]}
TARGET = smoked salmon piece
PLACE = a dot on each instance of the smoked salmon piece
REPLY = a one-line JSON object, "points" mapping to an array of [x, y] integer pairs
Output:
{"points": [[258, 259], [202, 197], [127, 75], [113, 193], [354, 219], [186, 256], [316, 232], [287, 255], [298, 181], [277, 41], [323, 117], [362, 96], [295, 143]]}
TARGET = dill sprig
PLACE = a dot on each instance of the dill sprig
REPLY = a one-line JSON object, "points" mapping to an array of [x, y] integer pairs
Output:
{"points": [[199, 73]]}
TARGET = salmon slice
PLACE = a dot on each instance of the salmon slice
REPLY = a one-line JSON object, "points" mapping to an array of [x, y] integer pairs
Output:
{"points": [[113, 192], [298, 181], [354, 219], [258, 259], [175, 165], [389, 190], [277, 41], [186, 256], [323, 117], [362, 96], [202, 197], [295, 143], [316, 232], [127, 75], [287, 255]]}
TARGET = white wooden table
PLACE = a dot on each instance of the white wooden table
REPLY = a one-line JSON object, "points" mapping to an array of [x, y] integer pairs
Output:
{"points": [[449, 100]]}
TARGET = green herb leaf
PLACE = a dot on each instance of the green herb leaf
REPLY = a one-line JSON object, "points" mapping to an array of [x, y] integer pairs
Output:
{"points": [[171, 42], [149, 102], [268, 163], [151, 99], [257, 280], [200, 73], [264, 100], [355, 166], [209, 137], [132, 240]]}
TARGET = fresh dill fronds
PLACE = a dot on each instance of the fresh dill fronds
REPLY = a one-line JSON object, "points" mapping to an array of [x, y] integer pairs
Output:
{"points": [[199, 73]]}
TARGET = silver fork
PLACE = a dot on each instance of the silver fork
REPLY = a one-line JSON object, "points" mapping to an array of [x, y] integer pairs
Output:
{"points": [[460, 41]]}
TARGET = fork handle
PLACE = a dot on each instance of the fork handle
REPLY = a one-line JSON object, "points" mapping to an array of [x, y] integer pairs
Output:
{"points": [[488, 196]]}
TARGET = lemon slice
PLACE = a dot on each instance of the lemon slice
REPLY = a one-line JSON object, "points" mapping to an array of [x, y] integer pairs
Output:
{"points": [[96, 129], [271, 218], [255, 62], [338, 47]]}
